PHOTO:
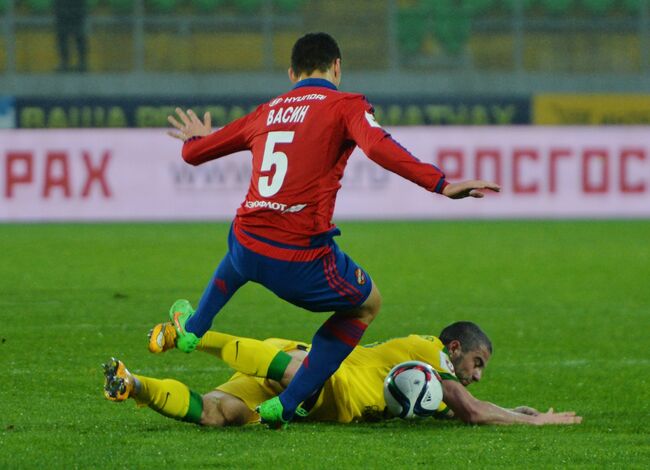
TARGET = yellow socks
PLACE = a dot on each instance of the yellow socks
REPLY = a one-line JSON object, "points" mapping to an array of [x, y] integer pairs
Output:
{"points": [[246, 355], [257, 358], [168, 397], [213, 342], [174, 399]]}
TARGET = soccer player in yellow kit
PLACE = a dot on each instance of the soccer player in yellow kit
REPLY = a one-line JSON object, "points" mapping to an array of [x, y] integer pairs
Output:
{"points": [[353, 393]]}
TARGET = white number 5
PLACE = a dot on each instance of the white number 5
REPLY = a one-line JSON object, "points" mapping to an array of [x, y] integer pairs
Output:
{"points": [[279, 159]]}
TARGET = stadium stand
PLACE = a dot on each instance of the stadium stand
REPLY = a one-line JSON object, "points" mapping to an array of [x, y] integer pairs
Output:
{"points": [[39, 6], [557, 7], [289, 5], [411, 27], [633, 6], [455, 25], [598, 7], [206, 6], [120, 7], [512, 5], [161, 6], [154, 35], [248, 6]]}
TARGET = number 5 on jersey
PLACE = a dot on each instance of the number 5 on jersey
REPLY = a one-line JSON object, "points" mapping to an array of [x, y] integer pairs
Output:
{"points": [[268, 186]]}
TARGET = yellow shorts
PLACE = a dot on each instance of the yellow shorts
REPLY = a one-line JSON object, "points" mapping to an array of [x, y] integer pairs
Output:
{"points": [[344, 397], [255, 390]]}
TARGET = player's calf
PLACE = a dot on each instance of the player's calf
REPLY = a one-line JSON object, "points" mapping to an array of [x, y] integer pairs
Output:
{"points": [[332, 343], [168, 397], [222, 409]]}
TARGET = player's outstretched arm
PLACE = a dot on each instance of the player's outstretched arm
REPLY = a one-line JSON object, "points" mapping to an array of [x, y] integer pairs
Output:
{"points": [[471, 188], [189, 125], [201, 145], [474, 411]]}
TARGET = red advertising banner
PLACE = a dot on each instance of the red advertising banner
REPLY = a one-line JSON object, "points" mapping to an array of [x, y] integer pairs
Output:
{"points": [[138, 174]]}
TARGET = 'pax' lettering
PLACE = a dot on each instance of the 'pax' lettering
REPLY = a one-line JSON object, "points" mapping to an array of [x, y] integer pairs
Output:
{"points": [[52, 174]]}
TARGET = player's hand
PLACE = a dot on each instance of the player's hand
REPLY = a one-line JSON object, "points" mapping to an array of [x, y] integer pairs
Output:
{"points": [[526, 410], [550, 417], [472, 188], [190, 125]]}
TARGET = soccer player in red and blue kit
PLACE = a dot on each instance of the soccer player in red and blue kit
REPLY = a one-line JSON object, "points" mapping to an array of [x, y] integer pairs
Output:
{"points": [[282, 236]]}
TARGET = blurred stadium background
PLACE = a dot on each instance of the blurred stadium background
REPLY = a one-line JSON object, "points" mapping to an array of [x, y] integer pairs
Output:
{"points": [[430, 47], [128, 63], [420, 62]]}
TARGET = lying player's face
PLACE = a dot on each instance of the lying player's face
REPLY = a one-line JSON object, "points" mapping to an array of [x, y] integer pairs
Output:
{"points": [[469, 365]]}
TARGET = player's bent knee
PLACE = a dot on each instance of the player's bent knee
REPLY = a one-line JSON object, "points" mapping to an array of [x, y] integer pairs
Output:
{"points": [[235, 411], [371, 307], [367, 311]]}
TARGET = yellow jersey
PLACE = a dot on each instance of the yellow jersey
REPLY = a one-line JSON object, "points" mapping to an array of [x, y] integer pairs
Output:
{"points": [[356, 390]]}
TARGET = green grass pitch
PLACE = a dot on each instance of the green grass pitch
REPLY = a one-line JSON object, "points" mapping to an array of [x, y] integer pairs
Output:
{"points": [[567, 305]]}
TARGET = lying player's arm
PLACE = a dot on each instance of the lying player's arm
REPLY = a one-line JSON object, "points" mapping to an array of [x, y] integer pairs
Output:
{"points": [[526, 410], [471, 410], [200, 143]]}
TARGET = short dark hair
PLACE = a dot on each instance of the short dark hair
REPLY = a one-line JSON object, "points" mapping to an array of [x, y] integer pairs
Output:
{"points": [[469, 334], [314, 51]]}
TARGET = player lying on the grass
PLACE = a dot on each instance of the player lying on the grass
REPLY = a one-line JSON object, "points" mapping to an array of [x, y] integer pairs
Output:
{"points": [[353, 393], [283, 236]]}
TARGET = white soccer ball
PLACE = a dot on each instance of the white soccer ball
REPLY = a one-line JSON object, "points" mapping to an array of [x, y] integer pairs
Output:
{"points": [[412, 389]]}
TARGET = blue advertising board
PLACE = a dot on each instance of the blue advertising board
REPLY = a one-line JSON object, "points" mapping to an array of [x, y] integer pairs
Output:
{"points": [[7, 112]]}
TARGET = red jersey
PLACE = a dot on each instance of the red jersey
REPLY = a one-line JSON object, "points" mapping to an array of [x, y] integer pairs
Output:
{"points": [[301, 142]]}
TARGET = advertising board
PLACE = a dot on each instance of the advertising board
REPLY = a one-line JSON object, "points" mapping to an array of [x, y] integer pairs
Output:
{"points": [[129, 174]]}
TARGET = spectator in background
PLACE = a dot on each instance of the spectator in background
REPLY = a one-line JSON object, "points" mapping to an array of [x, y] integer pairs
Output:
{"points": [[70, 19]]}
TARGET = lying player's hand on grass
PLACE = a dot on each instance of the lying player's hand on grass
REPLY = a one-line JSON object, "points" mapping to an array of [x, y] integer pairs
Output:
{"points": [[472, 188], [190, 125], [564, 417], [526, 410]]}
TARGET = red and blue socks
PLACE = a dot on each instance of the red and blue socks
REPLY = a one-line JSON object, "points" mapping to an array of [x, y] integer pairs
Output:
{"points": [[332, 343]]}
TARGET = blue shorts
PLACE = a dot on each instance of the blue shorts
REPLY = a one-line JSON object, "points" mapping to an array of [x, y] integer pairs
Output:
{"points": [[333, 282]]}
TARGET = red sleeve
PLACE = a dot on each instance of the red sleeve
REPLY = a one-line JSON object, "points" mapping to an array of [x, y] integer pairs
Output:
{"points": [[381, 148], [392, 156], [231, 138]]}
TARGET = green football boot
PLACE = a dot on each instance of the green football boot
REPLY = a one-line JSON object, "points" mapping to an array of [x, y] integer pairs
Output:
{"points": [[179, 313], [271, 411]]}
